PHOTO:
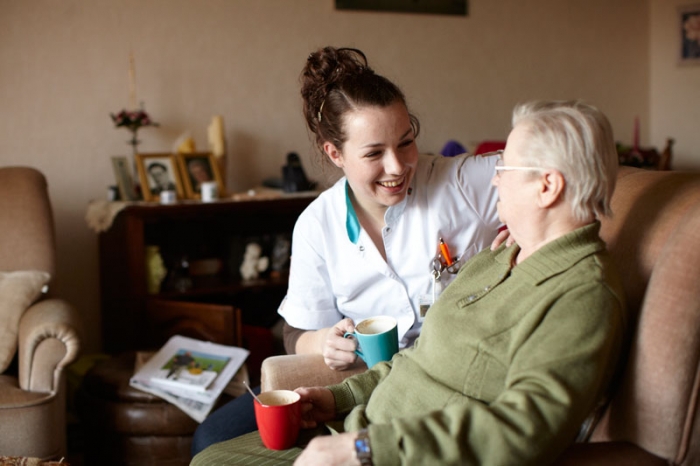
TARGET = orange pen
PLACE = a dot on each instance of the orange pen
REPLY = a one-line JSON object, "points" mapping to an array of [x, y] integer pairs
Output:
{"points": [[445, 253]]}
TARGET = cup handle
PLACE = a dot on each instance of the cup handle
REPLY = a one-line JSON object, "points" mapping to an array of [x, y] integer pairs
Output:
{"points": [[357, 351]]}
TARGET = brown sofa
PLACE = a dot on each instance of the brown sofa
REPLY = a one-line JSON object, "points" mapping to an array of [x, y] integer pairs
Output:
{"points": [[38, 333], [654, 236]]}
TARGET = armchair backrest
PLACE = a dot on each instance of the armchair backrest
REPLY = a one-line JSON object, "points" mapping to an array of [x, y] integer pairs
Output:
{"points": [[26, 222], [654, 237]]}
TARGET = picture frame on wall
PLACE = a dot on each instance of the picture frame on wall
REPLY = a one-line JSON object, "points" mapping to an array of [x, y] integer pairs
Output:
{"points": [[157, 173], [122, 175], [441, 7], [689, 32], [197, 168]]}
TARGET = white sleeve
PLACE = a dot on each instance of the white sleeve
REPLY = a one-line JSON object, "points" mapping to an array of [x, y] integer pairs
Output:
{"points": [[310, 302], [475, 175]]}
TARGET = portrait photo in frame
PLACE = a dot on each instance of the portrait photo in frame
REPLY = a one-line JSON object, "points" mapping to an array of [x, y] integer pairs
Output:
{"points": [[197, 168], [158, 172], [122, 175], [689, 31]]}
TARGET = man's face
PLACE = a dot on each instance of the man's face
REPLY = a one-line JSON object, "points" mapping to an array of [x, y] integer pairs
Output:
{"points": [[160, 175]]}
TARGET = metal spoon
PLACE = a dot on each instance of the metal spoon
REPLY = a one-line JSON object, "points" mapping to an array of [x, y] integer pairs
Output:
{"points": [[252, 393]]}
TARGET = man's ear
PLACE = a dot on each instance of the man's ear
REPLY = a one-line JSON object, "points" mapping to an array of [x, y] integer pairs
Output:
{"points": [[333, 153], [552, 185]]}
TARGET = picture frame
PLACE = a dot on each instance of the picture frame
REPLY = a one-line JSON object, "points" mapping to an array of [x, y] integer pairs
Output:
{"points": [[442, 7], [196, 168], [689, 34], [122, 175], [158, 172]]}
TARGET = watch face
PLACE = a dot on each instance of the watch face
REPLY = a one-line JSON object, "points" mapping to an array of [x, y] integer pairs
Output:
{"points": [[362, 446], [362, 449]]}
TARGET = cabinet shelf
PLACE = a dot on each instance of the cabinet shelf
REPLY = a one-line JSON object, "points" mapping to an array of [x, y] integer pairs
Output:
{"points": [[214, 285], [192, 230]]}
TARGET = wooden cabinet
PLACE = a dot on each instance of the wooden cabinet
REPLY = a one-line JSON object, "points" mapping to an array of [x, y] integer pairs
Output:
{"points": [[209, 299]]}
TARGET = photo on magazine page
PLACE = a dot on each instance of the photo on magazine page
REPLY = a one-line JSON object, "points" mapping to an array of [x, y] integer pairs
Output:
{"points": [[191, 369]]}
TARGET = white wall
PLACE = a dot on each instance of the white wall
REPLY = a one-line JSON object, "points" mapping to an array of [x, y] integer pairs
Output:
{"points": [[63, 69], [674, 91]]}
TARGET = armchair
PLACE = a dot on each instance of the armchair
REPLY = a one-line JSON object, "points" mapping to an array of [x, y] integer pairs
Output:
{"points": [[653, 418], [38, 335]]}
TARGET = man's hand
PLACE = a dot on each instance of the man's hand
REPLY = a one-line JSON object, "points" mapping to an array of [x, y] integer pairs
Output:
{"points": [[501, 237], [317, 406], [338, 352], [330, 450]]}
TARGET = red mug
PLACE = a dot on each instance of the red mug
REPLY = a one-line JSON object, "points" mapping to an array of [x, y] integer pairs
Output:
{"points": [[278, 415]]}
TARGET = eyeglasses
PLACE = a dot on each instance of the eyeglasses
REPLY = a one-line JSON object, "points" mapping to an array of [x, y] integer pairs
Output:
{"points": [[504, 168]]}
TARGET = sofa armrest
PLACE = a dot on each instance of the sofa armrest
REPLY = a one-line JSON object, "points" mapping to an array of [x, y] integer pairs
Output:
{"points": [[302, 370], [608, 454], [48, 341]]}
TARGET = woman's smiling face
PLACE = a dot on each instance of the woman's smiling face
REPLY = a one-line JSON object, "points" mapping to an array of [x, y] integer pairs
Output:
{"points": [[380, 155]]}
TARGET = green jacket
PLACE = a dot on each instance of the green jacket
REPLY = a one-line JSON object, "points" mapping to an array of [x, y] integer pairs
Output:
{"points": [[510, 361]]}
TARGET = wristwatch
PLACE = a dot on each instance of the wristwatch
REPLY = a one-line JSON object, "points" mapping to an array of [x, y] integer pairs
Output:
{"points": [[362, 448]]}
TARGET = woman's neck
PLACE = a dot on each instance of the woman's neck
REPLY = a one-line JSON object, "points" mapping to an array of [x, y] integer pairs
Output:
{"points": [[372, 221]]}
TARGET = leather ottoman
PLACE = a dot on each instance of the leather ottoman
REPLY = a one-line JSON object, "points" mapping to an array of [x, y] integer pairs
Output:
{"points": [[125, 426]]}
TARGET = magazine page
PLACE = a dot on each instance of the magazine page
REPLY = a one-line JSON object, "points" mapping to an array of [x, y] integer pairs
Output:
{"points": [[197, 410], [217, 365]]}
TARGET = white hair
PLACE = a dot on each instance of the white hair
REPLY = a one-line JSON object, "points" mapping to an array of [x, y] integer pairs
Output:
{"points": [[577, 140]]}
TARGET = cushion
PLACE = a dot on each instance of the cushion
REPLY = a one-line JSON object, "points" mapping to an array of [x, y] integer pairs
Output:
{"points": [[18, 290]]}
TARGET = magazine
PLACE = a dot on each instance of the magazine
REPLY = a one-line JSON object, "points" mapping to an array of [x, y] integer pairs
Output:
{"points": [[196, 392]]}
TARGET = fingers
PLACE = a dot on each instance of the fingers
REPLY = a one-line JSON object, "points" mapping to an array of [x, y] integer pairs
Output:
{"points": [[345, 325], [502, 236], [339, 360], [339, 352], [317, 405]]}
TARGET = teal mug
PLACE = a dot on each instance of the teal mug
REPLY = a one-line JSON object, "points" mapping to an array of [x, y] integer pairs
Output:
{"points": [[377, 339]]}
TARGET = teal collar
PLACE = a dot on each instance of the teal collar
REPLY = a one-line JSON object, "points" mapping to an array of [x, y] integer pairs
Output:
{"points": [[352, 224]]}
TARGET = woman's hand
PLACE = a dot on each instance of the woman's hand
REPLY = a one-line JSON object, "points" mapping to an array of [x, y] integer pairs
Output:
{"points": [[330, 450], [338, 352], [317, 406], [502, 237]]}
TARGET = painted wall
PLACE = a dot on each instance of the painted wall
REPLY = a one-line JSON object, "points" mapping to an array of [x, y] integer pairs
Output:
{"points": [[674, 97], [64, 68]]}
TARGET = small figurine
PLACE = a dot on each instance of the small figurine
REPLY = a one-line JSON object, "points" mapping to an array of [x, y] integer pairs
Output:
{"points": [[280, 256], [253, 262]]}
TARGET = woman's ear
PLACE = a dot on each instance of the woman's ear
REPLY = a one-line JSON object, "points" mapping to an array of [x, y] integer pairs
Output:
{"points": [[333, 153], [552, 184]]}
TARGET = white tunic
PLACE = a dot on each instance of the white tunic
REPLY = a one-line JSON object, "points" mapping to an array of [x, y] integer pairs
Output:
{"points": [[336, 271]]}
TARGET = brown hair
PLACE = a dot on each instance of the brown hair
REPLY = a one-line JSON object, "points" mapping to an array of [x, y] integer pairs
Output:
{"points": [[336, 81]]}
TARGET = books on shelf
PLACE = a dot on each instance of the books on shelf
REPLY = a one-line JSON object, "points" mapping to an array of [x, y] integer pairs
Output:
{"points": [[190, 373]]}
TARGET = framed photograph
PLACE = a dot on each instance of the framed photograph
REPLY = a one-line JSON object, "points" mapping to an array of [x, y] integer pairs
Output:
{"points": [[158, 172], [195, 169], [689, 26], [122, 174]]}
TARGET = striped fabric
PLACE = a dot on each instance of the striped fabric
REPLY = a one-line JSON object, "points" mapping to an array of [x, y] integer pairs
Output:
{"points": [[249, 450]]}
